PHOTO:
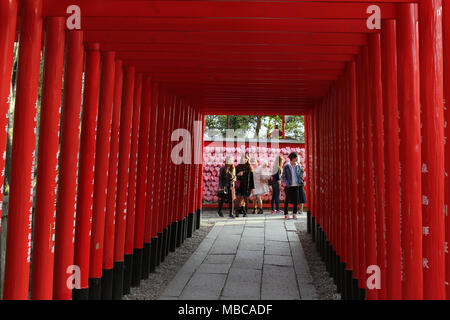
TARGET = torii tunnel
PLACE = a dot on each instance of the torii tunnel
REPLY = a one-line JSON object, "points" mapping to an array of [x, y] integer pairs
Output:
{"points": [[111, 204]]}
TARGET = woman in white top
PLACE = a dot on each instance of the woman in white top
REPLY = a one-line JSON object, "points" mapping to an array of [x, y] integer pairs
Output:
{"points": [[260, 177]]}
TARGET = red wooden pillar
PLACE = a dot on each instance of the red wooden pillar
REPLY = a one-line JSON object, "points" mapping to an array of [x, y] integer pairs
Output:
{"points": [[307, 163], [431, 94], [340, 203], [376, 97], [194, 174], [122, 180], [347, 190], [167, 176], [196, 143], [371, 250], [111, 196], [131, 200], [150, 239], [347, 237], [330, 183], [141, 183], [86, 169], [42, 267], [101, 174], [391, 160], [200, 178], [446, 49], [18, 243], [156, 214], [68, 161], [8, 20], [318, 140], [167, 173], [323, 220], [361, 168], [186, 168], [181, 180], [148, 201], [191, 174], [161, 181], [174, 181], [200, 200], [353, 173], [326, 217], [410, 158], [175, 191]]}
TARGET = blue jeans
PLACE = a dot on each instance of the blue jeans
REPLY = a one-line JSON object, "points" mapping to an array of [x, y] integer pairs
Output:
{"points": [[275, 196]]}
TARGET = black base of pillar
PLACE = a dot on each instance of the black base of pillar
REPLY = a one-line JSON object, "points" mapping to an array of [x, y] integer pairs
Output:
{"points": [[198, 219], [183, 230], [338, 274], [117, 289], [333, 265], [190, 225], [95, 288], [173, 236], [308, 222], [328, 255], [80, 294], [159, 251], [348, 287], [169, 236], [313, 229], [167, 242], [164, 244], [362, 294], [137, 267], [342, 276], [179, 233], [185, 222], [127, 272], [153, 253], [107, 284], [145, 260]]}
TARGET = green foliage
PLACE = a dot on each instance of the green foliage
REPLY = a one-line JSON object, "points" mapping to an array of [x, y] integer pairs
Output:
{"points": [[294, 125]]}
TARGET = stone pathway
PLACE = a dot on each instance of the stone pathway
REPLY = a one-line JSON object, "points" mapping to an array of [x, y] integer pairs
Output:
{"points": [[253, 258]]}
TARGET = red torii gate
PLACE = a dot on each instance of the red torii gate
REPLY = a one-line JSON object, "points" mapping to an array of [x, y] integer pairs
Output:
{"points": [[376, 128]]}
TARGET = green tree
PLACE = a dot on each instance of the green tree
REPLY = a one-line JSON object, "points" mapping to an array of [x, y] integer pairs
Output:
{"points": [[257, 126]]}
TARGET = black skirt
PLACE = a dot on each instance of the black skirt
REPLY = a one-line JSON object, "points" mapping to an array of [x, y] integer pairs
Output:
{"points": [[301, 195]]}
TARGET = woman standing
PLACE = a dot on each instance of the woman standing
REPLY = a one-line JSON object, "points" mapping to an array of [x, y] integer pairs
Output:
{"points": [[261, 175], [245, 184], [227, 177], [275, 183]]}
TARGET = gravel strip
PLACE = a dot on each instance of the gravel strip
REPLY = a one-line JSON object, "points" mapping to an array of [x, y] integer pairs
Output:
{"points": [[155, 285], [326, 289]]}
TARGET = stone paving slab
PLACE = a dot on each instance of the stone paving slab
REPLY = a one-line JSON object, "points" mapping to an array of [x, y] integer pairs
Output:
{"points": [[253, 258], [204, 286], [279, 283], [219, 258], [284, 261], [242, 284]]}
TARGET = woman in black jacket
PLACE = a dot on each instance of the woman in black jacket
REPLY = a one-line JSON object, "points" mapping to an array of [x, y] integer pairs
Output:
{"points": [[245, 185], [227, 177]]}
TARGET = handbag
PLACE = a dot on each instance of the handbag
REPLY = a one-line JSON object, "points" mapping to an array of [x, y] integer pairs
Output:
{"points": [[222, 193]]}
